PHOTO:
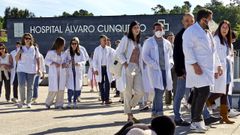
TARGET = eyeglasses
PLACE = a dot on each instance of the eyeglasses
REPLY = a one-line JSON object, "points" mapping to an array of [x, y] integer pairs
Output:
{"points": [[2, 48], [28, 38]]}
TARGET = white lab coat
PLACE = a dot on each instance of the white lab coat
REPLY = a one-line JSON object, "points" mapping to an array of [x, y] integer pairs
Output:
{"points": [[151, 58], [198, 47], [97, 57], [220, 82], [13, 70], [81, 59], [53, 84]]}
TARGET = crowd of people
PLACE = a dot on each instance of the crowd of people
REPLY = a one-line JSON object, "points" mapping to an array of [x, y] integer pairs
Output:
{"points": [[195, 65]]}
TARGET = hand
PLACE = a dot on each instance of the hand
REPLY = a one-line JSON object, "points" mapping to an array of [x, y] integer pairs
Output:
{"points": [[96, 72], [197, 69], [39, 72], [77, 64], [64, 65], [216, 75], [220, 70], [125, 65], [182, 77], [56, 64]]}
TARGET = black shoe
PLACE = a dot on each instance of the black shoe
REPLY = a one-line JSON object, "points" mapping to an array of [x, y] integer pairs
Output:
{"points": [[211, 120], [182, 123], [117, 95], [145, 108]]}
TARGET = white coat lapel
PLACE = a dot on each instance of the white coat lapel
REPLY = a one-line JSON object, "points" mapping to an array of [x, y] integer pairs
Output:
{"points": [[156, 50]]}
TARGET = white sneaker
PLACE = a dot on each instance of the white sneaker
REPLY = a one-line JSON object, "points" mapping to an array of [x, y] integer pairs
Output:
{"points": [[233, 113], [198, 127], [29, 105]]}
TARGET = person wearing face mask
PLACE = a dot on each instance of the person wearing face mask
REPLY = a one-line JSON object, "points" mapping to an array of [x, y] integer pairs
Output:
{"points": [[201, 62], [129, 54], [157, 56]]}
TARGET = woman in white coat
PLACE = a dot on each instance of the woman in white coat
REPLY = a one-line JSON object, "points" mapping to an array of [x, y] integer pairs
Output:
{"points": [[57, 63], [77, 59], [129, 54], [223, 40]]}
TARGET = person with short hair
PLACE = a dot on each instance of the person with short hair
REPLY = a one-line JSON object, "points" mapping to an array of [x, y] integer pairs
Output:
{"points": [[101, 60], [179, 67], [201, 62], [28, 65], [57, 64], [5, 69], [157, 56]]}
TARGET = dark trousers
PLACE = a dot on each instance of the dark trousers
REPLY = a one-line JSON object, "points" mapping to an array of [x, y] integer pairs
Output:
{"points": [[104, 86], [73, 94], [7, 85], [199, 99], [15, 87]]}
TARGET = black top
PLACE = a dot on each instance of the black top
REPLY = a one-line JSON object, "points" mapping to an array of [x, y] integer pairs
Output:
{"points": [[178, 55]]}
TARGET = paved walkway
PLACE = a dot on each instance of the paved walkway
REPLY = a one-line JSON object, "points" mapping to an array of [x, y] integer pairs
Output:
{"points": [[91, 118]]}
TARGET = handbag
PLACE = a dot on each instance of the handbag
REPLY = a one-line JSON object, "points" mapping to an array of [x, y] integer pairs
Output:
{"points": [[115, 67]]}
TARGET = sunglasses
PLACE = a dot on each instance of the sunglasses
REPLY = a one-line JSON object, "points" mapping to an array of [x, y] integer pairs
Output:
{"points": [[28, 39], [73, 43]]}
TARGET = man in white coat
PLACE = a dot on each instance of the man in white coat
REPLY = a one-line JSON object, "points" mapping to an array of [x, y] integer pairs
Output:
{"points": [[156, 55], [200, 60], [101, 61]]}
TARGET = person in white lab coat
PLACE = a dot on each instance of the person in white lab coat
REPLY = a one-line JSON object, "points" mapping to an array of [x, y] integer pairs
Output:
{"points": [[38, 77], [129, 54], [57, 63], [223, 40], [14, 80], [101, 60], [28, 65], [157, 56], [77, 60], [200, 60]]}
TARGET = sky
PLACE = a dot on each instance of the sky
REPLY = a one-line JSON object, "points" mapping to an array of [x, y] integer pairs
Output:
{"points": [[50, 8]]}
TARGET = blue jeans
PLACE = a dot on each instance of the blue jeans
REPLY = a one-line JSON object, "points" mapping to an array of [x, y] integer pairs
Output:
{"points": [[73, 93], [35, 86], [23, 79], [229, 100], [180, 92], [206, 113], [157, 108], [239, 103]]}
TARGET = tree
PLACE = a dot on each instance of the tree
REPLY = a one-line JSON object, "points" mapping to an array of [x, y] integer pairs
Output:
{"points": [[176, 10], [16, 13], [81, 12], [186, 7], [1, 22], [196, 9], [159, 9]]}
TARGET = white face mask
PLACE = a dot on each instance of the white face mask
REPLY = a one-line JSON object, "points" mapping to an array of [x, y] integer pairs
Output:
{"points": [[159, 34]]}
